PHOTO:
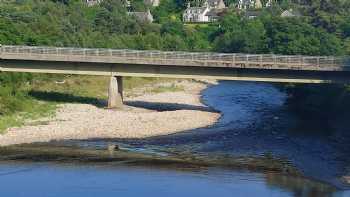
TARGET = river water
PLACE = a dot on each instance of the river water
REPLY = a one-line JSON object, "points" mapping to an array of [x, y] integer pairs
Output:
{"points": [[255, 127]]}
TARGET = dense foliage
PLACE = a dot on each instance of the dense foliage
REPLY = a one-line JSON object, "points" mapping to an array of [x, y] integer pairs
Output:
{"points": [[323, 29]]}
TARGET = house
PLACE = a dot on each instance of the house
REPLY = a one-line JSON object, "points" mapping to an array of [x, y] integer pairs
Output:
{"points": [[252, 8], [290, 14], [196, 14], [143, 17], [216, 4], [256, 4], [245, 4], [152, 3], [208, 12], [92, 2]]}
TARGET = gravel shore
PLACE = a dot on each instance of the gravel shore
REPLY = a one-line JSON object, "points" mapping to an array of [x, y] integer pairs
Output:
{"points": [[145, 115]]}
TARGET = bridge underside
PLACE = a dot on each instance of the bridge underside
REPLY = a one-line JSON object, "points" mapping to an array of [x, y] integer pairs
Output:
{"points": [[138, 70]]}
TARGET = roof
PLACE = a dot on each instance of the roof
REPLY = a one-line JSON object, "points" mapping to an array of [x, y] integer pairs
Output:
{"points": [[216, 12], [216, 3], [196, 9]]}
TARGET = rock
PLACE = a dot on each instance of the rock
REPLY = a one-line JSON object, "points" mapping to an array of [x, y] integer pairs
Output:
{"points": [[113, 147]]}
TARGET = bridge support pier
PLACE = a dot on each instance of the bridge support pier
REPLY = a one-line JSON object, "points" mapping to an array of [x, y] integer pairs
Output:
{"points": [[115, 92]]}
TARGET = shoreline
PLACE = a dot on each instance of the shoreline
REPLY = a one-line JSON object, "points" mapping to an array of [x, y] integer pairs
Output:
{"points": [[145, 115]]}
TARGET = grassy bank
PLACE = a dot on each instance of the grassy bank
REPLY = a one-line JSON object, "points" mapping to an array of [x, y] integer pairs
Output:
{"points": [[39, 97]]}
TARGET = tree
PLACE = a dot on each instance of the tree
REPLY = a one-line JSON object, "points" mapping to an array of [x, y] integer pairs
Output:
{"points": [[241, 35], [289, 36]]}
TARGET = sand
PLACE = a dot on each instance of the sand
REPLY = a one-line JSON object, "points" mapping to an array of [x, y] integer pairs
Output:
{"points": [[145, 115]]}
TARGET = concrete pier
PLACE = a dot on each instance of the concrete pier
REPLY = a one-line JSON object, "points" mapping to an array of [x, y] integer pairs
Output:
{"points": [[115, 92]]}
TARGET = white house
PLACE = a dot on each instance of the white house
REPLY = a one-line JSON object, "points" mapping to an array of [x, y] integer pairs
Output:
{"points": [[246, 4], [196, 14], [207, 13]]}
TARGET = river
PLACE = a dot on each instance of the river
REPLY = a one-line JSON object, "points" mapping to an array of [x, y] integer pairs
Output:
{"points": [[234, 156]]}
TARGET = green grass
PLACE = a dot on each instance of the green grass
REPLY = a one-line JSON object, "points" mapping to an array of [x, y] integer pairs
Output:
{"points": [[7, 121], [33, 109]]}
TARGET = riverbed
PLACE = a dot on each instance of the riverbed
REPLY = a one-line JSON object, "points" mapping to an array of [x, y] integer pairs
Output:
{"points": [[255, 126]]}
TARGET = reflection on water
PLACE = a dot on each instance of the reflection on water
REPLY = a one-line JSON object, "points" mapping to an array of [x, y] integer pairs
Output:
{"points": [[255, 127], [43, 179], [256, 122]]}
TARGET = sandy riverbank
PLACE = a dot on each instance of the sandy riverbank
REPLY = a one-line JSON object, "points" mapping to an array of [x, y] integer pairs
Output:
{"points": [[146, 115]]}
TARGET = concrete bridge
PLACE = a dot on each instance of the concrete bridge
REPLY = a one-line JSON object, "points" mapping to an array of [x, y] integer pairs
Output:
{"points": [[222, 66]]}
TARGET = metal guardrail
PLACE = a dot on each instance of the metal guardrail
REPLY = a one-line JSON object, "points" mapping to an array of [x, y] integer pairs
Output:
{"points": [[268, 59]]}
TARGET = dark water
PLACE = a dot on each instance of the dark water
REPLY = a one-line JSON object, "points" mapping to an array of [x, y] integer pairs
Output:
{"points": [[255, 123]]}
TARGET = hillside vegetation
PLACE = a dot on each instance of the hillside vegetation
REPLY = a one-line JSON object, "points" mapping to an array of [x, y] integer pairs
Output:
{"points": [[323, 29]]}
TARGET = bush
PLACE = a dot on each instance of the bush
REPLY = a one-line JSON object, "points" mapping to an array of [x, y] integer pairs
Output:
{"points": [[12, 100]]}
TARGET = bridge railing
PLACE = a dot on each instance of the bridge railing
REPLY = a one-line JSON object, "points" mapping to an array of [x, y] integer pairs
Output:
{"points": [[236, 58]]}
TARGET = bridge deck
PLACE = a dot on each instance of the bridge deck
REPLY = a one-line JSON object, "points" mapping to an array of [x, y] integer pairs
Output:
{"points": [[221, 66], [168, 58]]}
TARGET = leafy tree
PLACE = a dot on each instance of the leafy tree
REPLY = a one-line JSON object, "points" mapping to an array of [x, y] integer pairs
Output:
{"points": [[288, 36], [241, 35], [168, 9]]}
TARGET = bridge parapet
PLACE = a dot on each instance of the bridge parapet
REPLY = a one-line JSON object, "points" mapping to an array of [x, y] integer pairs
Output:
{"points": [[171, 64], [176, 58]]}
